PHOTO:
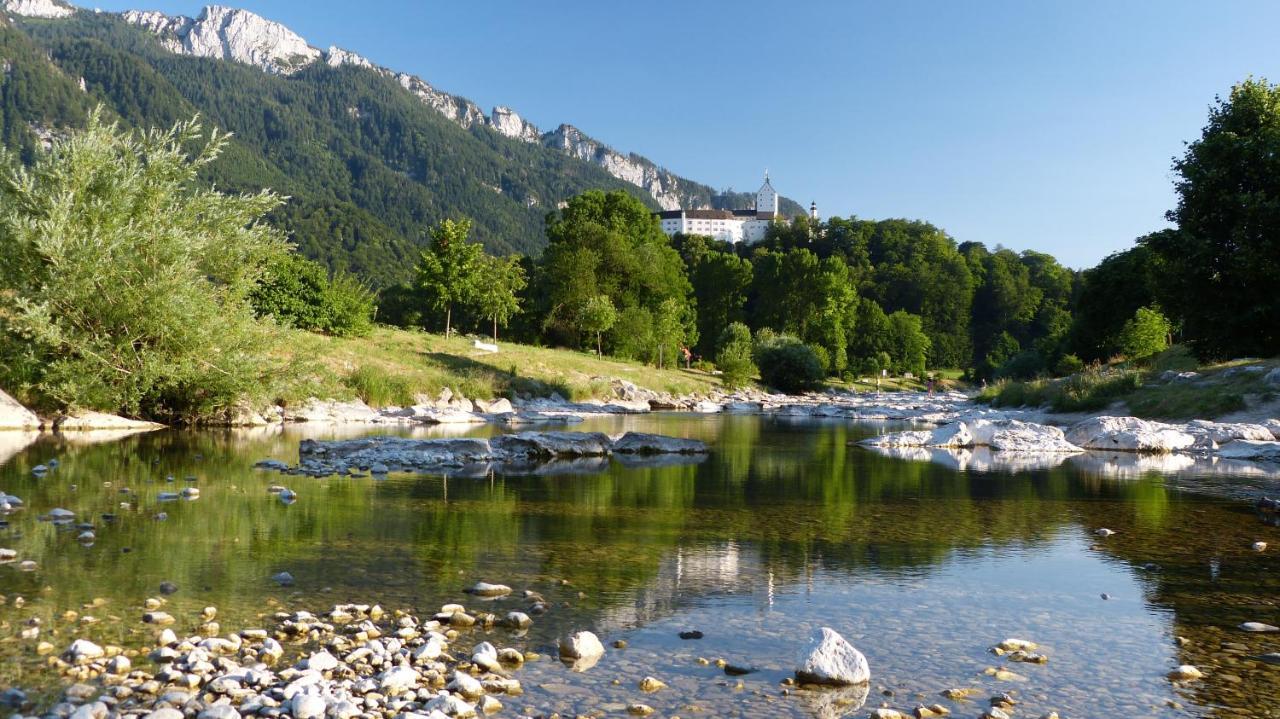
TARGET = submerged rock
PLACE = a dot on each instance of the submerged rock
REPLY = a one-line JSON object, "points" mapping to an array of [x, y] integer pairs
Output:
{"points": [[832, 660]]}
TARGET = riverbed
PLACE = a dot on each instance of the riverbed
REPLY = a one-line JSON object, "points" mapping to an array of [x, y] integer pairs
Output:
{"points": [[782, 528]]}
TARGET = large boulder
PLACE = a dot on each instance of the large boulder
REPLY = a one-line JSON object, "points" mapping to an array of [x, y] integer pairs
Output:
{"points": [[1129, 434], [331, 411], [1011, 435], [643, 443], [88, 421], [533, 445], [955, 434], [1211, 434], [1251, 449], [829, 659], [15, 416]]}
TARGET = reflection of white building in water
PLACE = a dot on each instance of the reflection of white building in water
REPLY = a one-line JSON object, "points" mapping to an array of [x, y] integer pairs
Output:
{"points": [[691, 572], [733, 226]]}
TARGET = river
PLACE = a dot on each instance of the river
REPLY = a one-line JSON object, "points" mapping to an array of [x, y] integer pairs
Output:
{"points": [[782, 529]]}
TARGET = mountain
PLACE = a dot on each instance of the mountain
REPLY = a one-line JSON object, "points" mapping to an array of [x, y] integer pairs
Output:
{"points": [[369, 156]]}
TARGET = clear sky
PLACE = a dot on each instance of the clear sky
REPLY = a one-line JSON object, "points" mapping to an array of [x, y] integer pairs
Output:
{"points": [[1030, 124]]}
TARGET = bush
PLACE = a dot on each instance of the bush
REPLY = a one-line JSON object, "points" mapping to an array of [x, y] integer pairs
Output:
{"points": [[787, 364], [380, 388], [1145, 334], [299, 292], [1068, 365], [734, 357], [124, 281], [1024, 365]]}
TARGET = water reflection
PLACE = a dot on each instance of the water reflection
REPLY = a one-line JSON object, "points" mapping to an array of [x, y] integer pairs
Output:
{"points": [[783, 527]]}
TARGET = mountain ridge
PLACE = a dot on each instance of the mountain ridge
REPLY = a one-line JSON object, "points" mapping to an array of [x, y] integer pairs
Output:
{"points": [[239, 35]]}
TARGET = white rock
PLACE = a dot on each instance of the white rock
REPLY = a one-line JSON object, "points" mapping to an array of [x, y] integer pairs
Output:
{"points": [[466, 685], [1267, 451], [830, 659], [230, 34], [397, 680], [449, 705], [1258, 627], [581, 645], [429, 651], [1184, 673], [507, 122], [1259, 546], [322, 661], [12, 414], [38, 8], [1104, 532], [1129, 434], [307, 706], [82, 651], [485, 589]]}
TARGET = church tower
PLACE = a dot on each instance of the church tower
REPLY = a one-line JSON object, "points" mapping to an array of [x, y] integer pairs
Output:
{"points": [[766, 200]]}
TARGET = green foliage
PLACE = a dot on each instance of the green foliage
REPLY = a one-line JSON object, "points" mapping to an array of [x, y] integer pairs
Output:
{"points": [[448, 271], [1069, 364], [734, 357], [597, 316], [1145, 334], [609, 244], [124, 282], [380, 388], [907, 343], [1218, 268], [787, 364], [298, 292], [1086, 391], [497, 293], [721, 284], [1109, 294]]}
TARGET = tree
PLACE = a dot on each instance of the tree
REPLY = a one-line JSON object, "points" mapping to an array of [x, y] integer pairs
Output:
{"points": [[1144, 334], [448, 270], [497, 291], [671, 329], [721, 282], [1219, 267], [786, 363], [907, 342], [597, 315], [299, 292], [608, 244], [734, 358], [1109, 295], [125, 282]]}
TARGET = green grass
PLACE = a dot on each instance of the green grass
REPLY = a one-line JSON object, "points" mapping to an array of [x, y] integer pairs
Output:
{"points": [[390, 366], [1139, 385]]}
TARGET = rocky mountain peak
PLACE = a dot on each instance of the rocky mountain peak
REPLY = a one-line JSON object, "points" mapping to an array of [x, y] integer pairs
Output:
{"points": [[508, 122], [37, 8], [230, 34]]}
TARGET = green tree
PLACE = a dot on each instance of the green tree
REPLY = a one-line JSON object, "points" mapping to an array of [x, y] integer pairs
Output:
{"points": [[1144, 334], [671, 329], [125, 282], [734, 357], [1109, 295], [1218, 270], [449, 269], [721, 283], [786, 363], [597, 316], [907, 343], [497, 291], [299, 292]]}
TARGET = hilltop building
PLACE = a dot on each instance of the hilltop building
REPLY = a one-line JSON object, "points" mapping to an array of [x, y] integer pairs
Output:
{"points": [[733, 226]]}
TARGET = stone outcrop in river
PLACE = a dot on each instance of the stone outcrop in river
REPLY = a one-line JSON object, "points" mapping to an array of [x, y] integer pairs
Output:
{"points": [[382, 454], [1199, 438]]}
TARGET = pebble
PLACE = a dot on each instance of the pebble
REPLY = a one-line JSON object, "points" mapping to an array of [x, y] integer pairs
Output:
{"points": [[651, 684], [1184, 673], [1258, 627], [1104, 532], [1259, 546]]}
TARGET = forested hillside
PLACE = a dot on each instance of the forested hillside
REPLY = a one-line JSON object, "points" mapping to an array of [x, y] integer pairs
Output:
{"points": [[367, 166]]}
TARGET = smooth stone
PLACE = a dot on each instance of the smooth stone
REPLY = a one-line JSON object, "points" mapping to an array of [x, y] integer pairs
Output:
{"points": [[832, 660]]}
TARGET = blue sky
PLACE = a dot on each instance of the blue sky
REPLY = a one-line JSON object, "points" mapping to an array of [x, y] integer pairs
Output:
{"points": [[1034, 125]]}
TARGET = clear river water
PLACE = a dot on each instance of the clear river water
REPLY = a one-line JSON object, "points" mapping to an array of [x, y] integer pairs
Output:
{"points": [[784, 527]]}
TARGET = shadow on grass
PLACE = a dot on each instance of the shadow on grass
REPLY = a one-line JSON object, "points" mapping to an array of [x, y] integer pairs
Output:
{"points": [[478, 379]]}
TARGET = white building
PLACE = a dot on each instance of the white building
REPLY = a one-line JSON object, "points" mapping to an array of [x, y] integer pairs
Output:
{"points": [[732, 226]]}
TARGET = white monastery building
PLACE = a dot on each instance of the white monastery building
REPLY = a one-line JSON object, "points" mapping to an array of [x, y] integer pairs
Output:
{"points": [[732, 226]]}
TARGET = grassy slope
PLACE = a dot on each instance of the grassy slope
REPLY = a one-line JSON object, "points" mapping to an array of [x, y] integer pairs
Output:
{"points": [[390, 366], [1215, 393]]}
